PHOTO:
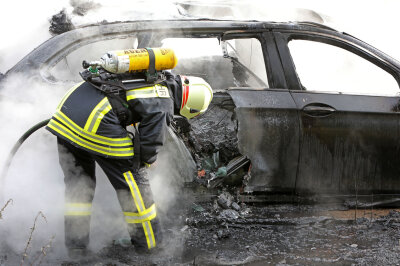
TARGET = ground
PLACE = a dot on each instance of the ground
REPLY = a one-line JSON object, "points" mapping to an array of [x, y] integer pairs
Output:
{"points": [[209, 234]]}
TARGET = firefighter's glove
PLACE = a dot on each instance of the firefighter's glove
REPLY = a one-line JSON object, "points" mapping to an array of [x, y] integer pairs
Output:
{"points": [[145, 165]]}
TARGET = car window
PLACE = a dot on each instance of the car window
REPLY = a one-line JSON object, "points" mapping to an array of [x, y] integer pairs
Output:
{"points": [[68, 67], [232, 63], [225, 64], [326, 68]]}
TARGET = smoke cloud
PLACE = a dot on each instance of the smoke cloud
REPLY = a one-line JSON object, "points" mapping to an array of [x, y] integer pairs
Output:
{"points": [[34, 181]]}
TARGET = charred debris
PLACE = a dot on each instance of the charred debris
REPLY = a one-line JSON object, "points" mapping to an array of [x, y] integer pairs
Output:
{"points": [[62, 21], [213, 143]]}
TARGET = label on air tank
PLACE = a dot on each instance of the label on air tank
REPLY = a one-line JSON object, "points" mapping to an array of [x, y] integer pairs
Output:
{"points": [[162, 91], [123, 63]]}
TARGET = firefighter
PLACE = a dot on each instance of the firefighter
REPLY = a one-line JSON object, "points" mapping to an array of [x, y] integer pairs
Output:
{"points": [[89, 130]]}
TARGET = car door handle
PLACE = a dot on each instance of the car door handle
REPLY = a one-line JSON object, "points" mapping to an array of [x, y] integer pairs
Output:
{"points": [[318, 110]]}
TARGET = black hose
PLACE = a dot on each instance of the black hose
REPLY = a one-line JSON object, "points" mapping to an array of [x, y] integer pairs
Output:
{"points": [[18, 144]]}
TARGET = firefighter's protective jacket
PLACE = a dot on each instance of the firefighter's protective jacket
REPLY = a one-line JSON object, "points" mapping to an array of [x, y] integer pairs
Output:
{"points": [[86, 119]]}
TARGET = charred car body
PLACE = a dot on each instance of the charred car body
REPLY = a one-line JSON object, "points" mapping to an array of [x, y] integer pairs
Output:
{"points": [[303, 129]]}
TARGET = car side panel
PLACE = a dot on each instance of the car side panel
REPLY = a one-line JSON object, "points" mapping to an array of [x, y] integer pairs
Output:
{"points": [[354, 149], [268, 133], [349, 143]]}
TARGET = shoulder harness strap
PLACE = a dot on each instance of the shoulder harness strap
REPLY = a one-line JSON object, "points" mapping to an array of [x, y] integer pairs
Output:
{"points": [[115, 91], [115, 86]]}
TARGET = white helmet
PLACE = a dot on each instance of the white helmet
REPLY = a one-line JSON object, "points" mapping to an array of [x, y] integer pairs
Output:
{"points": [[196, 96]]}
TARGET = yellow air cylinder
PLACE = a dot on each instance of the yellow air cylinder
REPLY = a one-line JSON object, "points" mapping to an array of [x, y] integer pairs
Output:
{"points": [[122, 61]]}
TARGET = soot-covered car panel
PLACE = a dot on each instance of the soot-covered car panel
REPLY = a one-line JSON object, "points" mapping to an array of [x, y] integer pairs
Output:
{"points": [[313, 109]]}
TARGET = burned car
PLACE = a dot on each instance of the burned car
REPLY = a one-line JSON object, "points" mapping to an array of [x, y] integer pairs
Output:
{"points": [[298, 108]]}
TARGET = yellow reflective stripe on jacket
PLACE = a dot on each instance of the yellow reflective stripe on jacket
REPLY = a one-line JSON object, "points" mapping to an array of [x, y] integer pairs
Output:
{"points": [[97, 114], [140, 217], [62, 130], [91, 136], [78, 209], [148, 92], [68, 94], [137, 198]]}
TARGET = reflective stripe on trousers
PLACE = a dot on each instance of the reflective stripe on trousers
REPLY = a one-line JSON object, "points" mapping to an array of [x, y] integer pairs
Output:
{"points": [[144, 216], [140, 217]]}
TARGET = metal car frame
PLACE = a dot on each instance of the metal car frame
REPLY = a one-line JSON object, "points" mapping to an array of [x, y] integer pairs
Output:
{"points": [[281, 160]]}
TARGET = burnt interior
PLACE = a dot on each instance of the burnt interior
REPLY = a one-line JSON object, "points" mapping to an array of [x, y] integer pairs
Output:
{"points": [[212, 137], [213, 143]]}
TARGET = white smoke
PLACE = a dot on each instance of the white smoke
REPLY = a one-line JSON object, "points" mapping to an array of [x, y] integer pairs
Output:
{"points": [[24, 25], [34, 181], [373, 21]]}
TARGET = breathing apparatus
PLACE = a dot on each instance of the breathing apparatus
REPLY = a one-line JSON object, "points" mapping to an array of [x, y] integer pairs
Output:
{"points": [[134, 60], [122, 70], [134, 66]]}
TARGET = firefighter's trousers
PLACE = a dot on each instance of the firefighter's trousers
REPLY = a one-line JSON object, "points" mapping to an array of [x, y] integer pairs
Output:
{"points": [[133, 191]]}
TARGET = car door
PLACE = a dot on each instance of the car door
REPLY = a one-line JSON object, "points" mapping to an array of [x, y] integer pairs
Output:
{"points": [[347, 97], [244, 68], [268, 127]]}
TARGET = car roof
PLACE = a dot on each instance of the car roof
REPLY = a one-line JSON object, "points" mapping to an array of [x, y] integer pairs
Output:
{"points": [[202, 27], [189, 23]]}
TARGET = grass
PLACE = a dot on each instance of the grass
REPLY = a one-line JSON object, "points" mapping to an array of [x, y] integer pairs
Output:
{"points": [[44, 249], [4, 207]]}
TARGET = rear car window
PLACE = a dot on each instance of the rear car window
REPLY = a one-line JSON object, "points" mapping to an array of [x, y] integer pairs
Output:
{"points": [[326, 68]]}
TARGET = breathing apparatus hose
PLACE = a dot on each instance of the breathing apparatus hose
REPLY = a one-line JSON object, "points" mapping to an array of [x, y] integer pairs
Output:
{"points": [[16, 147]]}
